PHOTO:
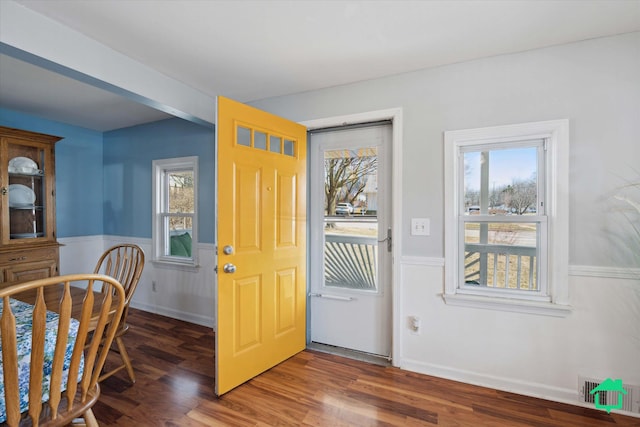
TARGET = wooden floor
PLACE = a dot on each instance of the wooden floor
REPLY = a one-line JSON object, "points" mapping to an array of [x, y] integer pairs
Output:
{"points": [[175, 374]]}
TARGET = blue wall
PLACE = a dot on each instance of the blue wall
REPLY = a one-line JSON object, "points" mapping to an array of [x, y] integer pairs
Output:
{"points": [[79, 194], [128, 154], [103, 180]]}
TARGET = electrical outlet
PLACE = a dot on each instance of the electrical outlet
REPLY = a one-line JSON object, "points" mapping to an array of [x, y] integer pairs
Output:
{"points": [[414, 325], [153, 286]]}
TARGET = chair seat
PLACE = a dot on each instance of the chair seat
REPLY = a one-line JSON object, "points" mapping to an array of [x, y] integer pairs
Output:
{"points": [[78, 409]]}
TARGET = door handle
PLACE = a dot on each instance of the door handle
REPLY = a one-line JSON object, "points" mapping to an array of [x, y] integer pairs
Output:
{"points": [[388, 239], [336, 297], [229, 268]]}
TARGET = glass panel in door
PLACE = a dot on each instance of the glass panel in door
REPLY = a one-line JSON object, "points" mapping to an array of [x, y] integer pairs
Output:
{"points": [[27, 192], [350, 219]]}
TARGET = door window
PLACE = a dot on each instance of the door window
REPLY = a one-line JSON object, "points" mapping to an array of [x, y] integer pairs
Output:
{"points": [[350, 218]]}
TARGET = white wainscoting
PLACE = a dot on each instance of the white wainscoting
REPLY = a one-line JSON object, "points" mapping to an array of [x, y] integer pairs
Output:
{"points": [[180, 292], [80, 254], [529, 354]]}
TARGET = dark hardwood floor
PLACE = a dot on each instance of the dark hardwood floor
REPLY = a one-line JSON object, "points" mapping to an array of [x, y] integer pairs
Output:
{"points": [[174, 366]]}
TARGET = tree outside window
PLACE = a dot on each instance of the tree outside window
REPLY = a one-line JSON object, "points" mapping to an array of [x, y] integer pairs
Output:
{"points": [[348, 178]]}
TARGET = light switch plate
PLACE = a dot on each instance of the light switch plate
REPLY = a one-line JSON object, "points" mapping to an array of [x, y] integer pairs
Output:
{"points": [[420, 227]]}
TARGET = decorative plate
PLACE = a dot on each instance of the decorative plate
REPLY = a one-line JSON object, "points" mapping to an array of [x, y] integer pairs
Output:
{"points": [[23, 165], [21, 195]]}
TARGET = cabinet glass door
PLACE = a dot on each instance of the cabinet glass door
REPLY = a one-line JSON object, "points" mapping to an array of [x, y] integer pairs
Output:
{"points": [[26, 192]]}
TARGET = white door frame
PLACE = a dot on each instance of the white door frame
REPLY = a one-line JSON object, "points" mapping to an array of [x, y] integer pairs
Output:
{"points": [[395, 115]]}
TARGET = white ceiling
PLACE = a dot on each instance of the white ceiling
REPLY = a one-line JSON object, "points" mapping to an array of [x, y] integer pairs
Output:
{"points": [[36, 91], [254, 49]]}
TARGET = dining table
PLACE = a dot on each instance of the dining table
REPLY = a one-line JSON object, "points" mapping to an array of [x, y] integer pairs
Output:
{"points": [[22, 306], [53, 294]]}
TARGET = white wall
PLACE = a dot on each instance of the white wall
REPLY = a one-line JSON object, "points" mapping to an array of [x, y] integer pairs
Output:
{"points": [[596, 85], [530, 354], [182, 293]]}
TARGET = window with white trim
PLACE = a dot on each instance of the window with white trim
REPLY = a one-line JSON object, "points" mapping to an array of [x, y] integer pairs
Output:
{"points": [[506, 224], [175, 210]]}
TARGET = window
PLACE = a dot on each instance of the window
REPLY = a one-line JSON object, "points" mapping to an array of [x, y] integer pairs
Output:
{"points": [[506, 224], [175, 207]]}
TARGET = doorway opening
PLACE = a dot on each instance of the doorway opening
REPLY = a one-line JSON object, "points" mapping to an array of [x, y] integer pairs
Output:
{"points": [[351, 240]]}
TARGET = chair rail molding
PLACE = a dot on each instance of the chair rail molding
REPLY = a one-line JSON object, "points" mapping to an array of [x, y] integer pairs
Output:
{"points": [[607, 272]]}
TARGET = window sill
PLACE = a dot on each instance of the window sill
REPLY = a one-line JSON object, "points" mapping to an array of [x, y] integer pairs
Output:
{"points": [[164, 263], [508, 304]]}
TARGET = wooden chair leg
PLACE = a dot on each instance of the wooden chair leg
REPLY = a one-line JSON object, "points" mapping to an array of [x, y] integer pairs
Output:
{"points": [[90, 419], [125, 358]]}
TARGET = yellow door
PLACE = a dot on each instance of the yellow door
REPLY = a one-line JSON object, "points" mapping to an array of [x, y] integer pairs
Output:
{"points": [[261, 242]]}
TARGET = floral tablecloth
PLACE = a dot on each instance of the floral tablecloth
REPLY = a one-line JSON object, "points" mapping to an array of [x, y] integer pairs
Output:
{"points": [[23, 313]]}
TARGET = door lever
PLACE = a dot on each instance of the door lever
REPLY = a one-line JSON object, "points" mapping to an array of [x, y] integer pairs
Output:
{"points": [[388, 239]]}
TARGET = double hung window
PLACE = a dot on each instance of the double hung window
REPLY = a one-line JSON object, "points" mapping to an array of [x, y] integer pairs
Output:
{"points": [[506, 216], [175, 205]]}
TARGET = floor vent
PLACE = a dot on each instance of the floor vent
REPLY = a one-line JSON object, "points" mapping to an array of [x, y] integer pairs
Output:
{"points": [[630, 401]]}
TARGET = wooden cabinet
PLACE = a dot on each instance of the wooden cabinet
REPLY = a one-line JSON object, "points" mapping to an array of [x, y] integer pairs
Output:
{"points": [[28, 245]]}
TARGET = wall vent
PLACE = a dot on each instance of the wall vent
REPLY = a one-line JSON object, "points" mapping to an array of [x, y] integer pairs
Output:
{"points": [[630, 401]]}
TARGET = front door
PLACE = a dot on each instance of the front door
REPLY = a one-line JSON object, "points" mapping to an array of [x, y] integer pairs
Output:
{"points": [[261, 242], [350, 242]]}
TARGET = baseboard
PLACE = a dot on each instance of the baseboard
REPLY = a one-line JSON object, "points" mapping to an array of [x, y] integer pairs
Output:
{"points": [[541, 391], [531, 389], [175, 314]]}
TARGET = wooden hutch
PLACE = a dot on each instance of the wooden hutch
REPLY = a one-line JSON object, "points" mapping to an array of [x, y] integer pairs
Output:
{"points": [[28, 245]]}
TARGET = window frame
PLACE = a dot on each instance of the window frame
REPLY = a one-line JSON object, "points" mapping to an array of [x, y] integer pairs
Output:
{"points": [[161, 168], [552, 245]]}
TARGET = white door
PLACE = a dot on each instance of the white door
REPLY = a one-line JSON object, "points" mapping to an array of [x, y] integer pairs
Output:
{"points": [[350, 238]]}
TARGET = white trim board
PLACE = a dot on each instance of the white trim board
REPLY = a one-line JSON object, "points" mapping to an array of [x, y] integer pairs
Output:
{"points": [[113, 239], [608, 272], [499, 383], [574, 270], [176, 314], [531, 389]]}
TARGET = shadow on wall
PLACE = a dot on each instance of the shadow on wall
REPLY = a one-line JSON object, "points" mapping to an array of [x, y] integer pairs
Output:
{"points": [[622, 227]]}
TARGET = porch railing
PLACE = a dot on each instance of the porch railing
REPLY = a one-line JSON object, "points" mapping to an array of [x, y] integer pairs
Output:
{"points": [[350, 261], [494, 265]]}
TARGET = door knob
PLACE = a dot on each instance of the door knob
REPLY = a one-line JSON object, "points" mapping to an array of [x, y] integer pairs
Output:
{"points": [[229, 268], [228, 250]]}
